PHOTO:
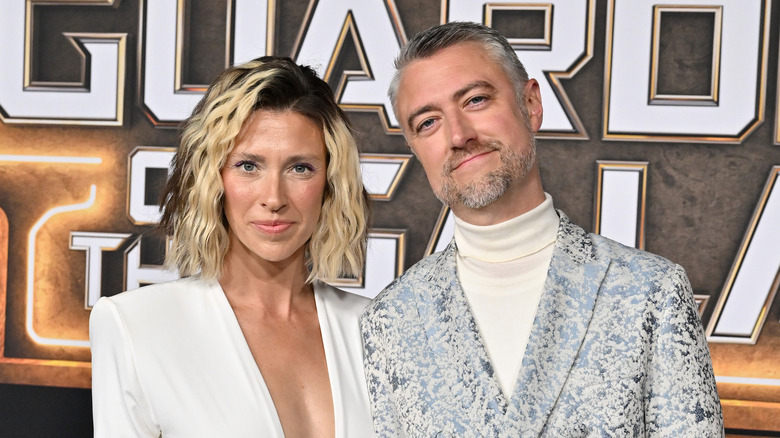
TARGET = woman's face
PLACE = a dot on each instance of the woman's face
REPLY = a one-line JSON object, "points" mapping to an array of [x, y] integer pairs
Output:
{"points": [[274, 181]]}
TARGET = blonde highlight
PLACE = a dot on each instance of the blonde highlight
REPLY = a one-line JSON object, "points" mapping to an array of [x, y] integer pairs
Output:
{"points": [[192, 205]]}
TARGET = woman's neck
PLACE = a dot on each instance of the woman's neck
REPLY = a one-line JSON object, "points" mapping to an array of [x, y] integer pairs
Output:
{"points": [[276, 288]]}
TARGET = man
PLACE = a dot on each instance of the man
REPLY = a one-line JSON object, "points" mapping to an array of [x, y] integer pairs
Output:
{"points": [[525, 325]]}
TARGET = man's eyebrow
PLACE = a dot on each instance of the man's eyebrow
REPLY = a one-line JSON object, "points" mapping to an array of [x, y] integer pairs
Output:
{"points": [[455, 96], [468, 87], [416, 113]]}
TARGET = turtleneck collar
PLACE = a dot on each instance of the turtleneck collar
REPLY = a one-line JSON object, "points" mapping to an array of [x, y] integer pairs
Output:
{"points": [[518, 237]]}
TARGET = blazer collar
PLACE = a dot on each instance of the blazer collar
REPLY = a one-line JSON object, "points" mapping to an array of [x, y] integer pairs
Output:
{"points": [[562, 319], [456, 345]]}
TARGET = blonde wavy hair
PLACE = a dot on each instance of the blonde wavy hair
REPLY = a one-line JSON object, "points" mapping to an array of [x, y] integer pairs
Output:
{"points": [[192, 200]]}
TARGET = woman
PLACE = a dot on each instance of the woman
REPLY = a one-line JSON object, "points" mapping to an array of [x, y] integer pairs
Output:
{"points": [[265, 199]]}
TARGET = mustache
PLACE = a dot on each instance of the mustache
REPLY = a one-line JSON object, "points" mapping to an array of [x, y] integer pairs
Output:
{"points": [[475, 148]]}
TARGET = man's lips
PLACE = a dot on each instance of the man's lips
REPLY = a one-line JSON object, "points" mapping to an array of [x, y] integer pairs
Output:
{"points": [[471, 158], [272, 227]]}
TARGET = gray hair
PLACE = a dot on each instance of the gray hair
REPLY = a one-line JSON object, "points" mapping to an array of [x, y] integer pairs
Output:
{"points": [[430, 41]]}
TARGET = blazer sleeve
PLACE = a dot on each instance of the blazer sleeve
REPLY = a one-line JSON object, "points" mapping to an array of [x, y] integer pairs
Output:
{"points": [[119, 406], [681, 398], [384, 410]]}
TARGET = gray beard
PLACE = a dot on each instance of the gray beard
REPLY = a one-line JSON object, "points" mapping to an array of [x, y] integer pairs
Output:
{"points": [[487, 189]]}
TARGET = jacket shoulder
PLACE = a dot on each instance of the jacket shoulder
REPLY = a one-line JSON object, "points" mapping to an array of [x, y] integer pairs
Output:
{"points": [[583, 247], [340, 301], [159, 302], [625, 255], [404, 290]]}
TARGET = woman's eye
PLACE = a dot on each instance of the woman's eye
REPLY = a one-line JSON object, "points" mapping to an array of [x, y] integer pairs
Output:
{"points": [[301, 168], [246, 166]]}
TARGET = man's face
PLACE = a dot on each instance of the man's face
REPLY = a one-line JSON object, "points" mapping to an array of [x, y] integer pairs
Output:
{"points": [[460, 115]]}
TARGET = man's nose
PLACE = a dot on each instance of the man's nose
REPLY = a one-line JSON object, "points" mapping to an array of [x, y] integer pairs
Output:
{"points": [[461, 130]]}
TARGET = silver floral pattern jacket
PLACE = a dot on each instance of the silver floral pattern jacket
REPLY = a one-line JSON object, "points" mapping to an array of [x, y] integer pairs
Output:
{"points": [[617, 349]]}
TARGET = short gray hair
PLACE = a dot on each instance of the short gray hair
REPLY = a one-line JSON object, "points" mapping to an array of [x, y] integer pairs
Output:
{"points": [[430, 41]]}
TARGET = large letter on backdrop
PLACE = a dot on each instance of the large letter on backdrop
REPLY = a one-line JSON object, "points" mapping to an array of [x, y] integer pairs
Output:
{"points": [[327, 26], [755, 275], [165, 100], [620, 201], [39, 313], [777, 109], [560, 46], [93, 244], [251, 39], [384, 262], [657, 58], [98, 100], [140, 210]]}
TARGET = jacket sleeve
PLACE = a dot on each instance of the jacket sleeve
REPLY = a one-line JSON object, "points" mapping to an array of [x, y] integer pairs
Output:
{"points": [[384, 410], [681, 398], [119, 406]]}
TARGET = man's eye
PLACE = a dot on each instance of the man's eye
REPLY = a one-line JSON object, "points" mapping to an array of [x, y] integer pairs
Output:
{"points": [[427, 123], [476, 100]]}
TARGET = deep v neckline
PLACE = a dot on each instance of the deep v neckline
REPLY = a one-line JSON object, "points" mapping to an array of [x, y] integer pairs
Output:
{"points": [[248, 357]]}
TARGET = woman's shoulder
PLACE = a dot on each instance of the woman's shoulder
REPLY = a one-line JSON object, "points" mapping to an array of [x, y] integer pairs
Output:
{"points": [[340, 300], [161, 297], [160, 315]]}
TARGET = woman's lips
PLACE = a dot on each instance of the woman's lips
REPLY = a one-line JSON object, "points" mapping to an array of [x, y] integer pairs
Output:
{"points": [[272, 227]]}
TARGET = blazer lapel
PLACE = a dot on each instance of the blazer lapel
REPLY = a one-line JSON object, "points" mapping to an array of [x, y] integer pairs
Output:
{"points": [[562, 319], [455, 342]]}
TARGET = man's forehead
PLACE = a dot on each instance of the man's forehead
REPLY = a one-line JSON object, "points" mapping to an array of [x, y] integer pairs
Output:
{"points": [[447, 77], [461, 55]]}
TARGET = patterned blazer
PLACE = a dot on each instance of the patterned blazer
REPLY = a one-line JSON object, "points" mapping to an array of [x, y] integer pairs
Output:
{"points": [[616, 350]]}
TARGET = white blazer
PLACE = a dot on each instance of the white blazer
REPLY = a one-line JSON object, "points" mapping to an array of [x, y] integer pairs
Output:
{"points": [[170, 360]]}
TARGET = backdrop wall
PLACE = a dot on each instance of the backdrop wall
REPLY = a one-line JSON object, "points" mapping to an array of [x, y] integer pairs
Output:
{"points": [[661, 131]]}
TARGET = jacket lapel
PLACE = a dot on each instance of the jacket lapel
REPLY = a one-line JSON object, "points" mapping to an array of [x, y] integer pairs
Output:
{"points": [[562, 319], [455, 342]]}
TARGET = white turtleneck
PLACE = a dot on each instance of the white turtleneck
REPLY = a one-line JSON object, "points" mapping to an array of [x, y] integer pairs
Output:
{"points": [[502, 269]]}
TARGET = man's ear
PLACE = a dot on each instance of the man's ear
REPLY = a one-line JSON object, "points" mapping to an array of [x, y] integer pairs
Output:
{"points": [[533, 104]]}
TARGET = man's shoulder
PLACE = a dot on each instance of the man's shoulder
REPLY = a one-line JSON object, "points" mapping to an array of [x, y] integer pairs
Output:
{"points": [[405, 290], [414, 278], [629, 256], [623, 263], [582, 245]]}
